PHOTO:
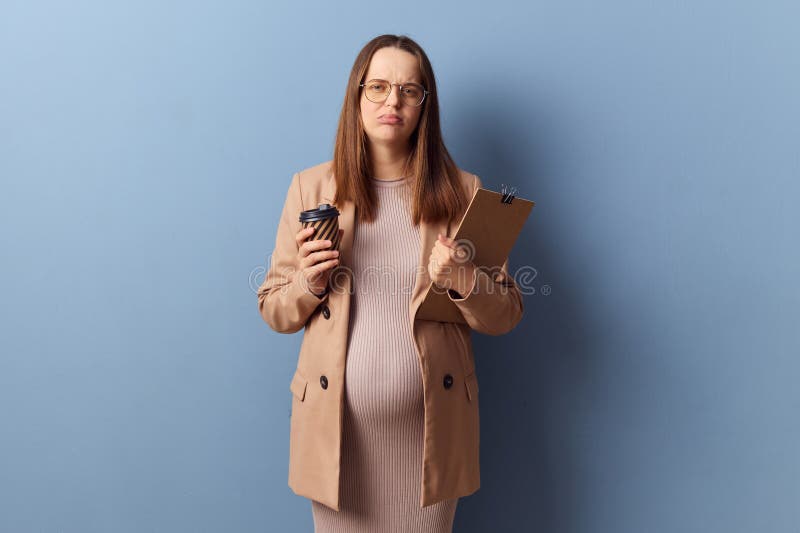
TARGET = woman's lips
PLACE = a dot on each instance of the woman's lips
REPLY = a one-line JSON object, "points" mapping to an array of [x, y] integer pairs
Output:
{"points": [[390, 120]]}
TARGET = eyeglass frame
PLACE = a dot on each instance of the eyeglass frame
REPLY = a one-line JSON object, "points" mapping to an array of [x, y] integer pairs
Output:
{"points": [[425, 92]]}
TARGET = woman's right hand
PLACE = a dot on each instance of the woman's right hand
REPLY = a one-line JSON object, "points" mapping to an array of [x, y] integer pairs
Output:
{"points": [[316, 259]]}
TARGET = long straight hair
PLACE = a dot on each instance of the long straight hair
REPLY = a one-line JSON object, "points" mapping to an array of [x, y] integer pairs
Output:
{"points": [[437, 192]]}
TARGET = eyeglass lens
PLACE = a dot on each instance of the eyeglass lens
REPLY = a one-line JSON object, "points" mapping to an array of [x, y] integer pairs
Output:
{"points": [[378, 91]]}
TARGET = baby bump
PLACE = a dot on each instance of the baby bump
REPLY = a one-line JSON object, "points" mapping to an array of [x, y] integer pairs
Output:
{"points": [[383, 379]]}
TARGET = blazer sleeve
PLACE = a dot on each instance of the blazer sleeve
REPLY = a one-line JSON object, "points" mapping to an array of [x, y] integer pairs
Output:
{"points": [[494, 305], [284, 300]]}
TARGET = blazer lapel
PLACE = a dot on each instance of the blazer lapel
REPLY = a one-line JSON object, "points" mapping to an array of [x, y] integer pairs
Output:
{"points": [[427, 234]]}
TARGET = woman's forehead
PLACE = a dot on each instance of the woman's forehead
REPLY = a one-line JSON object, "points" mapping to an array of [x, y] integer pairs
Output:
{"points": [[394, 65]]}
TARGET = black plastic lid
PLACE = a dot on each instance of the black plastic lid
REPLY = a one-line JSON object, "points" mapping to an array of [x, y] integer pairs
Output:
{"points": [[324, 211]]}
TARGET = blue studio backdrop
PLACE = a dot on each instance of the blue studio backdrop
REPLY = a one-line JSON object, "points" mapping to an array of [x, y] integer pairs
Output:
{"points": [[145, 152]]}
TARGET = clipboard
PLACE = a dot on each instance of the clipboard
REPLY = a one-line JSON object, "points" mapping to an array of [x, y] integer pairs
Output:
{"points": [[492, 223]]}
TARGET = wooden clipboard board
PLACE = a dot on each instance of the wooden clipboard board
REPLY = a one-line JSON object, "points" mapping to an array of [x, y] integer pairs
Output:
{"points": [[492, 223]]}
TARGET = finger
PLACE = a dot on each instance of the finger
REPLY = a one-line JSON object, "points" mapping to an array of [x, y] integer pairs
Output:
{"points": [[319, 268], [443, 248], [440, 255], [446, 241], [312, 246], [322, 255], [303, 234]]}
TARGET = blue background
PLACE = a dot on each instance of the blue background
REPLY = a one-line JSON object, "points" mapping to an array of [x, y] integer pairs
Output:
{"points": [[145, 153]]}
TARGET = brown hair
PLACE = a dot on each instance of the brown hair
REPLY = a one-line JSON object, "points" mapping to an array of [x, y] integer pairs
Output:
{"points": [[437, 191]]}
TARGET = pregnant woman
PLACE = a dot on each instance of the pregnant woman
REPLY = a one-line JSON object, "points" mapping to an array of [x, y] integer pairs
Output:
{"points": [[384, 431]]}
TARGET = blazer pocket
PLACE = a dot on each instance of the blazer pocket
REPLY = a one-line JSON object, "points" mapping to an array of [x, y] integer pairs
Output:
{"points": [[298, 385]]}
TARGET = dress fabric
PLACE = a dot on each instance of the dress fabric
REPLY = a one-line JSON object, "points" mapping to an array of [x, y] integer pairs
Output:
{"points": [[382, 439]]}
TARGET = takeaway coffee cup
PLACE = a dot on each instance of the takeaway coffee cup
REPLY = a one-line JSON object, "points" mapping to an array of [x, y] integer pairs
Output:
{"points": [[326, 219]]}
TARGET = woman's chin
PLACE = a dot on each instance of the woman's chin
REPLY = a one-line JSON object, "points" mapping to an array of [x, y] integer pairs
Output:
{"points": [[390, 139]]}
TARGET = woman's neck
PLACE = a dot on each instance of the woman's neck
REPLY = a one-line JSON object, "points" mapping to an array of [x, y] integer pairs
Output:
{"points": [[388, 161]]}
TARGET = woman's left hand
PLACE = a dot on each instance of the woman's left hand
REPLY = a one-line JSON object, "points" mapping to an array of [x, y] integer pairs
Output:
{"points": [[450, 267]]}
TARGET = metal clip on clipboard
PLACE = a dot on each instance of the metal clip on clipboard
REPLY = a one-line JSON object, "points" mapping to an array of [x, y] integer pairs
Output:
{"points": [[507, 197]]}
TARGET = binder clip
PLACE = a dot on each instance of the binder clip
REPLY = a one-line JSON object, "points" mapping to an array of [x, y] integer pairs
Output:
{"points": [[507, 197]]}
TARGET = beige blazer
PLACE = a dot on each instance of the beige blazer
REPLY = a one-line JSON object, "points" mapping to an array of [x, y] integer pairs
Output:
{"points": [[450, 466]]}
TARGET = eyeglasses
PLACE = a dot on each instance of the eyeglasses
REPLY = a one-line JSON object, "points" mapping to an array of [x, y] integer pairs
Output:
{"points": [[378, 91]]}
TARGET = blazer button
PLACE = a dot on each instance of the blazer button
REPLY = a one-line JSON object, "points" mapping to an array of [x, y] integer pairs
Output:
{"points": [[448, 381], [323, 381], [326, 312]]}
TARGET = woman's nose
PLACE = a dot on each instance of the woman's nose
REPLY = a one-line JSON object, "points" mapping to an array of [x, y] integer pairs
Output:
{"points": [[394, 97]]}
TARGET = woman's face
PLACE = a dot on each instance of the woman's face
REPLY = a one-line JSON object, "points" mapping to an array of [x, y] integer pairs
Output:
{"points": [[391, 122]]}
